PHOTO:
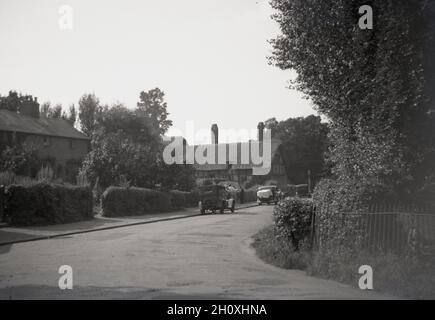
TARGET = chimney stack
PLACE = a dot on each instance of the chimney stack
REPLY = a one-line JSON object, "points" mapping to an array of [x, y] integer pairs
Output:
{"points": [[260, 128], [214, 134], [30, 107]]}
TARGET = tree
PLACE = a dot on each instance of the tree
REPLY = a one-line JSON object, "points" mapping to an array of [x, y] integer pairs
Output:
{"points": [[89, 111], [115, 157], [304, 142], [44, 109], [13, 101], [153, 106], [55, 112], [72, 115], [369, 83], [176, 177], [127, 147], [19, 159]]}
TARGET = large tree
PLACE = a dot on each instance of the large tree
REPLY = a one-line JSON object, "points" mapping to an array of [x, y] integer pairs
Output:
{"points": [[304, 142], [89, 111], [152, 104], [369, 83], [127, 147]]}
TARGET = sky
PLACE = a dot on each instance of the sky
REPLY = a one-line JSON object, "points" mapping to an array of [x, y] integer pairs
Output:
{"points": [[208, 56]]}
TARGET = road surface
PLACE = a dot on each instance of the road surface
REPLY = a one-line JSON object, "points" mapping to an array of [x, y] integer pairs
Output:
{"points": [[203, 257]]}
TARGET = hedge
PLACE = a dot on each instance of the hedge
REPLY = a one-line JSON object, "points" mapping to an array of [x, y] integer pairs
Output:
{"points": [[133, 201], [178, 199], [192, 199], [47, 203], [118, 201], [292, 220]]}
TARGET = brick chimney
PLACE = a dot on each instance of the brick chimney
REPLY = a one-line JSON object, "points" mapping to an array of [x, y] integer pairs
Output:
{"points": [[30, 107], [214, 134], [260, 134]]}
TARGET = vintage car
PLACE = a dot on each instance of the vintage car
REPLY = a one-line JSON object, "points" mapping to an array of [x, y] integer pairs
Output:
{"points": [[268, 194], [215, 197]]}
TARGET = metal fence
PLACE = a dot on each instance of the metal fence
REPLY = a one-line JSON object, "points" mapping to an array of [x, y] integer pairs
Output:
{"points": [[387, 228]]}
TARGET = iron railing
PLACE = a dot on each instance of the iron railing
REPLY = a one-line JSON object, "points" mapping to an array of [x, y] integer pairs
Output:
{"points": [[384, 228]]}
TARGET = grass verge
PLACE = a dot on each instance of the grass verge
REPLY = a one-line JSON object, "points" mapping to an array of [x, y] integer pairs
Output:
{"points": [[393, 274], [276, 252]]}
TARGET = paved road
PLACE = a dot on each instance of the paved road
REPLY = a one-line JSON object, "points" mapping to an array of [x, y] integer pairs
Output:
{"points": [[205, 257]]}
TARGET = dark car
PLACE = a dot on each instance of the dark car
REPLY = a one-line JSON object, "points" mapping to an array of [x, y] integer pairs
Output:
{"points": [[215, 197]]}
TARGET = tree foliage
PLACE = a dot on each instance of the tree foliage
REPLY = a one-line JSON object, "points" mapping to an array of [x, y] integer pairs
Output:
{"points": [[153, 106], [20, 159], [13, 101], [89, 111], [127, 147], [369, 83], [304, 142]]}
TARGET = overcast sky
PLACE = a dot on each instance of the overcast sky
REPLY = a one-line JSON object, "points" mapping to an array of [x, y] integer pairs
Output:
{"points": [[208, 56]]}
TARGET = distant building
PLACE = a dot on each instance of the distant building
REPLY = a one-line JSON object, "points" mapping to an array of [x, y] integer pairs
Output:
{"points": [[235, 169], [57, 142]]}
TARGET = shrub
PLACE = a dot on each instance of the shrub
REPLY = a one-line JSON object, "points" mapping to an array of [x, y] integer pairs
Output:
{"points": [[21, 160], [44, 203], [278, 252], [192, 199], [292, 219], [250, 195], [117, 201], [178, 199], [333, 200]]}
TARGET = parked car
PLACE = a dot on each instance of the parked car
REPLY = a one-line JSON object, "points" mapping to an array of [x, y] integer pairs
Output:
{"points": [[215, 197], [268, 194]]}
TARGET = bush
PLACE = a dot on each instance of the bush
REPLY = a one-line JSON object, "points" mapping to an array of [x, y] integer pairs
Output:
{"points": [[292, 219], [192, 199], [21, 160], [339, 250], [178, 199], [45, 203], [250, 195], [278, 252], [117, 201], [399, 275], [334, 199]]}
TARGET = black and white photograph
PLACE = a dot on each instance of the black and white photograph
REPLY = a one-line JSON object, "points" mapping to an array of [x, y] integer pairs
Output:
{"points": [[211, 150]]}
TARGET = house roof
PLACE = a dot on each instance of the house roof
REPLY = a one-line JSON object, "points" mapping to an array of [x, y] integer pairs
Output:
{"points": [[12, 121]]}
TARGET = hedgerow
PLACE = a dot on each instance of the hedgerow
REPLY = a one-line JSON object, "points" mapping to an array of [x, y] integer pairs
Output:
{"points": [[292, 220], [47, 203]]}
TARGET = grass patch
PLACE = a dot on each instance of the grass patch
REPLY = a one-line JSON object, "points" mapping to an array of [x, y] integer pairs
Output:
{"points": [[397, 275], [276, 252]]}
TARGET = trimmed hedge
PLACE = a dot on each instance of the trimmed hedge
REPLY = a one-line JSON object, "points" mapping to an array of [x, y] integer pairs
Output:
{"points": [[192, 199], [133, 201], [47, 203], [118, 201], [292, 220], [178, 199]]}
